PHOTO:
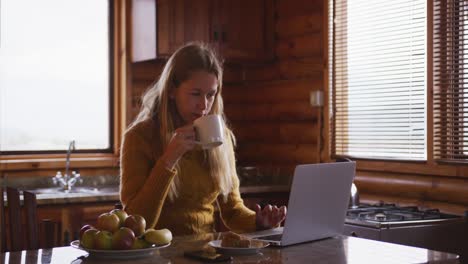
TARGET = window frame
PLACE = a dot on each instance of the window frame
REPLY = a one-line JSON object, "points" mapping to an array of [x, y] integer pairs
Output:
{"points": [[428, 167], [119, 112]]}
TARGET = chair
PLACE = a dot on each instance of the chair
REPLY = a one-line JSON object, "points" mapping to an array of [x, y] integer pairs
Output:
{"points": [[18, 236]]}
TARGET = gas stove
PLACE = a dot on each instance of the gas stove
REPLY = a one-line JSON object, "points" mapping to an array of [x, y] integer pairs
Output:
{"points": [[385, 215], [410, 225]]}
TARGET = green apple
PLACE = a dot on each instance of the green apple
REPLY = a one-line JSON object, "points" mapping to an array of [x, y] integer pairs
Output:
{"points": [[103, 240], [88, 238], [140, 243], [121, 214], [109, 222], [84, 228], [158, 237]]}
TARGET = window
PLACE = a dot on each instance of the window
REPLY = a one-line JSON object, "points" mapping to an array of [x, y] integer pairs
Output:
{"points": [[379, 79], [55, 75], [382, 106]]}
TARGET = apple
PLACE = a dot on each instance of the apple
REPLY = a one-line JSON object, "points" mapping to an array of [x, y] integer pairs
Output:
{"points": [[121, 214], [140, 243], [136, 223], [84, 228], [158, 237], [108, 222], [88, 238], [123, 238], [103, 240]]}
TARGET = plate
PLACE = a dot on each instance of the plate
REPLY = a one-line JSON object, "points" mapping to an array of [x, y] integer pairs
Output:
{"points": [[118, 254], [254, 248]]}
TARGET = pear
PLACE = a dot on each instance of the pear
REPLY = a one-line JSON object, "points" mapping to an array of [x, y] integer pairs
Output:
{"points": [[158, 237]]}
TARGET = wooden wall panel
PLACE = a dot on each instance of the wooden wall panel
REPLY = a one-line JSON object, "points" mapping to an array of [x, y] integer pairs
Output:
{"points": [[140, 86], [299, 25], [276, 132], [299, 47], [286, 69], [271, 92], [435, 188], [233, 74], [148, 70], [282, 111], [268, 103], [292, 8], [302, 68], [253, 153], [268, 107]]}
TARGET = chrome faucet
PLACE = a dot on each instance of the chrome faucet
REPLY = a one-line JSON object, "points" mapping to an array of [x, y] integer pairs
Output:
{"points": [[67, 181]]}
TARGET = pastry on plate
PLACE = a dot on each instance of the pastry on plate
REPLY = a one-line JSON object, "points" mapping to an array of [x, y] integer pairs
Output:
{"points": [[231, 239]]}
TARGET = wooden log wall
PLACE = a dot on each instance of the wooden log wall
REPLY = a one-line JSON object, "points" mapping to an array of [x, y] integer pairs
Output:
{"points": [[268, 108], [267, 104], [446, 193]]}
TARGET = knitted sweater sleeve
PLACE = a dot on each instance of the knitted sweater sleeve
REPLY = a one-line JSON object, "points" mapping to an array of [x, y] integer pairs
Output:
{"points": [[234, 213], [144, 184]]}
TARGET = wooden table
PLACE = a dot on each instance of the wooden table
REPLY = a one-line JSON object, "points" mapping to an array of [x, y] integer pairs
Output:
{"points": [[340, 249]]}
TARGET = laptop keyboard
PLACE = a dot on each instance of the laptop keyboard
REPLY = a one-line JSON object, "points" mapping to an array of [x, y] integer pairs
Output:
{"points": [[271, 237]]}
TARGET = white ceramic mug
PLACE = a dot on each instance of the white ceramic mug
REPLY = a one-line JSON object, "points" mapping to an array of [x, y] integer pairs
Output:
{"points": [[209, 130]]}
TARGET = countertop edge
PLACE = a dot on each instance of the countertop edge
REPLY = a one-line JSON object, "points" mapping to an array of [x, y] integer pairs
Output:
{"points": [[56, 199]]}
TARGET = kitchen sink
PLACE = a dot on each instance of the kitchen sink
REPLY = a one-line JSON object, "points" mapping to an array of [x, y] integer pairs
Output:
{"points": [[77, 189]]}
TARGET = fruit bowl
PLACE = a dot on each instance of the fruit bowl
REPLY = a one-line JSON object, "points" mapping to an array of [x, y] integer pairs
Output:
{"points": [[119, 254]]}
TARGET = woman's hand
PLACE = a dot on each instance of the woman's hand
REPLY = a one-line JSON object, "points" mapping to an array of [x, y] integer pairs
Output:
{"points": [[182, 141], [270, 216]]}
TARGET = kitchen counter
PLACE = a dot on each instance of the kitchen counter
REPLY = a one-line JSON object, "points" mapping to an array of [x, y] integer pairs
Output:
{"points": [[107, 188], [339, 249], [69, 198], [111, 194]]}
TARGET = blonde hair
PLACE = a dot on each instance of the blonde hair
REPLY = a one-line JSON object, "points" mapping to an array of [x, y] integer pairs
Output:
{"points": [[156, 105]]}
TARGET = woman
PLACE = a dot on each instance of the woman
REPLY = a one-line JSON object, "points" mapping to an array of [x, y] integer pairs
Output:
{"points": [[165, 177]]}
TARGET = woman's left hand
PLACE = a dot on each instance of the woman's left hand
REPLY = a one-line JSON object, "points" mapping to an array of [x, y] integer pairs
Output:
{"points": [[270, 216]]}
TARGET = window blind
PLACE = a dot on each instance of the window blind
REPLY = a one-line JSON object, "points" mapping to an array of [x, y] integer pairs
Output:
{"points": [[379, 79], [450, 101]]}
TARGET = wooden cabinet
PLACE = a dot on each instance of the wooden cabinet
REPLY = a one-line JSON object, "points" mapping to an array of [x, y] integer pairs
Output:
{"points": [[71, 217], [181, 21], [246, 29], [241, 30]]}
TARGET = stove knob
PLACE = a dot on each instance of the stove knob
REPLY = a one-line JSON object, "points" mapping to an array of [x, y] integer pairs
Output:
{"points": [[353, 234]]}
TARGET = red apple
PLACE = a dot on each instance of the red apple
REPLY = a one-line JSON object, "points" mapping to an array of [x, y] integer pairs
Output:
{"points": [[123, 238], [84, 228], [103, 240], [121, 214], [136, 223], [108, 222], [88, 238]]}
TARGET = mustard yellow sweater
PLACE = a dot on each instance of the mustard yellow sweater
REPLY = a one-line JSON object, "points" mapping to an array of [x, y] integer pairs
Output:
{"points": [[145, 184]]}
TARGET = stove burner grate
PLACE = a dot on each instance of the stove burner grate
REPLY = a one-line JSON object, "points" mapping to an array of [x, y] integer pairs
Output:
{"points": [[392, 213]]}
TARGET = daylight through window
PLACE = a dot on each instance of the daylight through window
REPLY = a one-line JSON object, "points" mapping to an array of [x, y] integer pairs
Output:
{"points": [[54, 75]]}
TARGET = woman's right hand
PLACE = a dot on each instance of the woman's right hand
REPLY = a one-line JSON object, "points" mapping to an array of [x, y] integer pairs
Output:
{"points": [[182, 141]]}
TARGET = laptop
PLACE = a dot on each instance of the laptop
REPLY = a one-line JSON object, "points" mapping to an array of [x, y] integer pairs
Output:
{"points": [[317, 205]]}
